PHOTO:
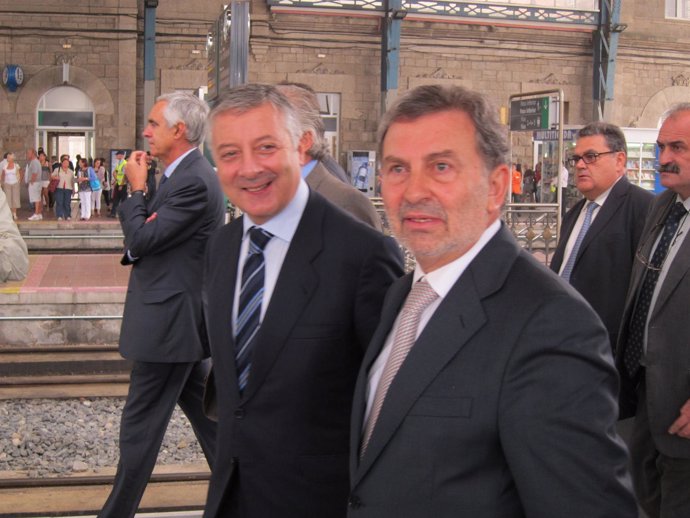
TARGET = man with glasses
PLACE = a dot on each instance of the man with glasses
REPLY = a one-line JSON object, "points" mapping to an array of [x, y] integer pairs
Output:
{"points": [[599, 235], [653, 351]]}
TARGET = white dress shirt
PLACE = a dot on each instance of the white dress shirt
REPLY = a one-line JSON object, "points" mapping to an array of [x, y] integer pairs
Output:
{"points": [[441, 281], [599, 200], [283, 227]]}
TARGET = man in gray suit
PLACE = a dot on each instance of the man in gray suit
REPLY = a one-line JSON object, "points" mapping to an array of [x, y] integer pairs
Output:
{"points": [[652, 353], [488, 389], [312, 159], [165, 240]]}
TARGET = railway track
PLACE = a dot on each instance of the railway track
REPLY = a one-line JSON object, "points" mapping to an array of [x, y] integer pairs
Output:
{"points": [[62, 371], [172, 488]]}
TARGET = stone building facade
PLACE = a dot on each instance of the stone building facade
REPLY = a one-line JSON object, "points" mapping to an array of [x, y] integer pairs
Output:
{"points": [[102, 42]]}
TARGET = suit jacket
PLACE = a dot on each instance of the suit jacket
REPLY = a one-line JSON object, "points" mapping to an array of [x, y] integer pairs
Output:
{"points": [[667, 361], [603, 264], [344, 196], [162, 317], [505, 406], [283, 448]]}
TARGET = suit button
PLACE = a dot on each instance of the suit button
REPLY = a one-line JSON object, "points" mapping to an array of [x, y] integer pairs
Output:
{"points": [[239, 413], [354, 502]]}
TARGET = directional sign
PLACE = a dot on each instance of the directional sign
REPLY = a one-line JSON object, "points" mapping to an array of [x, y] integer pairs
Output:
{"points": [[529, 114]]}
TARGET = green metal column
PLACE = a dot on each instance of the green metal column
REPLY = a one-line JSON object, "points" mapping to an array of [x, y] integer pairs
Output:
{"points": [[605, 47], [390, 51]]}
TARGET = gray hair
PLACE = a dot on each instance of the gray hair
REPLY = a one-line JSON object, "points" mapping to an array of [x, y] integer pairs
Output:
{"points": [[614, 137], [306, 104], [188, 109], [244, 98], [675, 110], [491, 138]]}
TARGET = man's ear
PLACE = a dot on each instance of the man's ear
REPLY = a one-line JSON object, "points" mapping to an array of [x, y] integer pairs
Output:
{"points": [[499, 180], [180, 130], [304, 145]]}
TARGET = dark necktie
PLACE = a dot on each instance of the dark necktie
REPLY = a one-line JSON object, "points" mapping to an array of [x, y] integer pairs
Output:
{"points": [[419, 298], [634, 350], [570, 263], [249, 308], [163, 180]]}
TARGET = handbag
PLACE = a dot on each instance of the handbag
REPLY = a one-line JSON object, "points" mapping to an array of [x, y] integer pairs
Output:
{"points": [[53, 184], [95, 182]]}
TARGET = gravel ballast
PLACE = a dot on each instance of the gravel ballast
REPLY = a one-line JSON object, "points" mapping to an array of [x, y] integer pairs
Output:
{"points": [[48, 438]]}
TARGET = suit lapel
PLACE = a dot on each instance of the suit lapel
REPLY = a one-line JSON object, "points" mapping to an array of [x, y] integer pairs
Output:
{"points": [[606, 212], [391, 307], [163, 188], [220, 307], [460, 315], [294, 288], [677, 269]]}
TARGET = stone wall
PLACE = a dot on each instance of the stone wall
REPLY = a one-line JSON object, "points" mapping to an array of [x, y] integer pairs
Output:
{"points": [[333, 54]]}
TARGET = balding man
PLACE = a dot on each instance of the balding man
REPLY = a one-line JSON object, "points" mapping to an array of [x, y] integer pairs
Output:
{"points": [[599, 235]]}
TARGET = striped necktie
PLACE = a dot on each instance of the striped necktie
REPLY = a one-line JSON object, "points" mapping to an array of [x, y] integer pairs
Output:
{"points": [[419, 298], [249, 308], [568, 269]]}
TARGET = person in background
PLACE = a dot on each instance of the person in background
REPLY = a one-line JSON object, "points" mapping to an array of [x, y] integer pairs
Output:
{"points": [[33, 172], [318, 178], [653, 353], [11, 178], [599, 235], [84, 187], [151, 168], [162, 325], [64, 190], [99, 173], [45, 181], [516, 183], [119, 182], [14, 256]]}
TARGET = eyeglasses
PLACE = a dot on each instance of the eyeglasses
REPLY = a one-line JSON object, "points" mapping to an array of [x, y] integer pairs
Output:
{"points": [[654, 233], [587, 158]]}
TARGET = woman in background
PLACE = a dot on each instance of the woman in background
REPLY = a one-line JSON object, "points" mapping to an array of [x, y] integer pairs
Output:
{"points": [[63, 193], [11, 177], [96, 193]]}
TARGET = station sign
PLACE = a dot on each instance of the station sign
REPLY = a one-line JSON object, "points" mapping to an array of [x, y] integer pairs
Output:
{"points": [[529, 114], [552, 135]]}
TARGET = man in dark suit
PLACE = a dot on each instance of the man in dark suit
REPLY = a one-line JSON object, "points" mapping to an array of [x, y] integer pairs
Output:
{"points": [[312, 159], [162, 323], [488, 389], [292, 293], [652, 353], [597, 258]]}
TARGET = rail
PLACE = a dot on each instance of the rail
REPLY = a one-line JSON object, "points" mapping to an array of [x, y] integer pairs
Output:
{"points": [[58, 317]]}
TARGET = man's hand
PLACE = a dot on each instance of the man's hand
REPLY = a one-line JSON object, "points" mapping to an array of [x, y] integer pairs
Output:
{"points": [[681, 426], [135, 170]]}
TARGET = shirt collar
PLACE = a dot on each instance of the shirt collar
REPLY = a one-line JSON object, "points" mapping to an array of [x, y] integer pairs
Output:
{"points": [[171, 168], [308, 167], [284, 224]]}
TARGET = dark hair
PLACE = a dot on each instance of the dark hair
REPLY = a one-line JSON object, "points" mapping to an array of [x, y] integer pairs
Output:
{"points": [[614, 137], [491, 139]]}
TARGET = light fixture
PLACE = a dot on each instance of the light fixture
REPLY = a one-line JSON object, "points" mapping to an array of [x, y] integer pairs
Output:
{"points": [[320, 55], [196, 52], [66, 44], [398, 14]]}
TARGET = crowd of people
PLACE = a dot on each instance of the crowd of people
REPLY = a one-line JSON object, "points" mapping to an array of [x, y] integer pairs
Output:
{"points": [[53, 184], [321, 380]]}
